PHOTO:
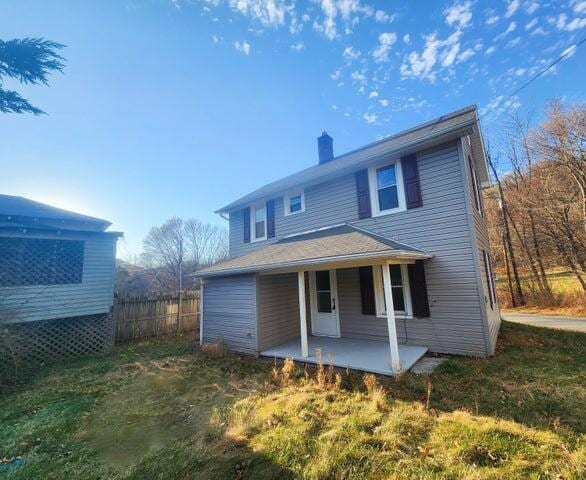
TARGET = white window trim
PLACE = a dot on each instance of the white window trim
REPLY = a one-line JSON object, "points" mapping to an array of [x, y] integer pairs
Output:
{"points": [[287, 201], [253, 209], [379, 294], [372, 184]]}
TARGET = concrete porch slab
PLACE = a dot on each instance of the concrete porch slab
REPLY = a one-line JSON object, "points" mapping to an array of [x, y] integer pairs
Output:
{"points": [[364, 355]]}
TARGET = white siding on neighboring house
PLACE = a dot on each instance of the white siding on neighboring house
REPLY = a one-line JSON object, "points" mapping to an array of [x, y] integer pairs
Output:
{"points": [[93, 295]]}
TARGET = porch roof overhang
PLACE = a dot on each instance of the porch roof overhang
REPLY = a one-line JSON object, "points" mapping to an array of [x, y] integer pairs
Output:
{"points": [[340, 246]]}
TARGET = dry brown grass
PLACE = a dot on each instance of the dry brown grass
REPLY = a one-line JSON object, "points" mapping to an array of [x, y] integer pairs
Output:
{"points": [[214, 350]]}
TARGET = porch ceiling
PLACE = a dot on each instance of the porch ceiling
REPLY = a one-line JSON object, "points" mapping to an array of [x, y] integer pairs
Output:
{"points": [[338, 246], [364, 355]]}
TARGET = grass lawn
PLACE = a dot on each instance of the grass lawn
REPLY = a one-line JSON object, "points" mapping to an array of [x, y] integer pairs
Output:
{"points": [[571, 299], [161, 410]]}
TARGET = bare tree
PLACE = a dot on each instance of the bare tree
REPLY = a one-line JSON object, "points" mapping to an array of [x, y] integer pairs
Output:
{"points": [[179, 247]]}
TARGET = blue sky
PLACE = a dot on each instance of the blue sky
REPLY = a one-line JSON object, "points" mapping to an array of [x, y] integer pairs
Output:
{"points": [[179, 107]]}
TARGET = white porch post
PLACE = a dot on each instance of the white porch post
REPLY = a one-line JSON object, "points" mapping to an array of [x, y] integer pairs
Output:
{"points": [[302, 313], [395, 360]]}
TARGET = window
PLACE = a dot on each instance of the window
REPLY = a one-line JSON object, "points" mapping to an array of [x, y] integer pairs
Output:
{"points": [[40, 261], [294, 203], [386, 188], [399, 289], [489, 278], [475, 186], [323, 291], [258, 221]]}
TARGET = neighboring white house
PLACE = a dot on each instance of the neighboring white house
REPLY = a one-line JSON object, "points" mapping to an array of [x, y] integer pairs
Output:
{"points": [[57, 273]]}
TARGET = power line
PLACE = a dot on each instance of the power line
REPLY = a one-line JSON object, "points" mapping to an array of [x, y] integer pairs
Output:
{"points": [[498, 105]]}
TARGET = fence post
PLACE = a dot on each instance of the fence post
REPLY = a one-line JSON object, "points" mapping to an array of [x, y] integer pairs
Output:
{"points": [[178, 313]]}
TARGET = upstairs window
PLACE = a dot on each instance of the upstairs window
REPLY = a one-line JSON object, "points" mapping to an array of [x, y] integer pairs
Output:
{"points": [[386, 189], [399, 289], [475, 186], [259, 222], [40, 261], [294, 203]]}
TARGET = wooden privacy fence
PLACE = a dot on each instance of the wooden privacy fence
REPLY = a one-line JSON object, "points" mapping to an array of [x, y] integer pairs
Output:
{"points": [[137, 318]]}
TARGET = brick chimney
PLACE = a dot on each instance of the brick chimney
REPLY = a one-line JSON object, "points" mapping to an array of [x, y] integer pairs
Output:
{"points": [[325, 148]]}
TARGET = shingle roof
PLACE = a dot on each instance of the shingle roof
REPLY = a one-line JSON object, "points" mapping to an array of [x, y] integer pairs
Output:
{"points": [[356, 159], [13, 206], [332, 244]]}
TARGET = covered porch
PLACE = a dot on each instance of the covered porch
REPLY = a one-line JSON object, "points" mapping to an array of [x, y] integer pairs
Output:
{"points": [[339, 290], [365, 355]]}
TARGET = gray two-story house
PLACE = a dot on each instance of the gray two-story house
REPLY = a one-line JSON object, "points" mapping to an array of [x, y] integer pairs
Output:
{"points": [[373, 257]]}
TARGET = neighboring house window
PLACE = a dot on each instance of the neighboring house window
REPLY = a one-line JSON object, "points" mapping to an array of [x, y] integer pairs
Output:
{"points": [[294, 202], [258, 219], [40, 261], [386, 188], [489, 278], [475, 186], [399, 288]]}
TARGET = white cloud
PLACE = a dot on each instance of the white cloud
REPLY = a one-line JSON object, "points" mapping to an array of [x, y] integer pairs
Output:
{"points": [[449, 56], [511, 28], [370, 117], [336, 75], [512, 8], [383, 17], [579, 6], [373, 94], [421, 65], [575, 24], [384, 102], [531, 7], [351, 54], [459, 14], [531, 24], [242, 47], [216, 39], [514, 42], [298, 46], [305, 17], [570, 51], [510, 104], [492, 19], [334, 107], [466, 54], [269, 12], [358, 77], [385, 42], [539, 31], [490, 50], [348, 10], [406, 38]]}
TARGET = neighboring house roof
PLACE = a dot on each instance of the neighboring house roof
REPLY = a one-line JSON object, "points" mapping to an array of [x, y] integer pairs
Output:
{"points": [[19, 211], [446, 127], [341, 243]]}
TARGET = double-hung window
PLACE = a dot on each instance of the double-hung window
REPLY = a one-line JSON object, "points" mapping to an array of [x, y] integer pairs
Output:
{"points": [[294, 202], [399, 290], [386, 188], [258, 220]]}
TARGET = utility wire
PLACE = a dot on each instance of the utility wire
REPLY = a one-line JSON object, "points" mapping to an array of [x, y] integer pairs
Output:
{"points": [[498, 105]]}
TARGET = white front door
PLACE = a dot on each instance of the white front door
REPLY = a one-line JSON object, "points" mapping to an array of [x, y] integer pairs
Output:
{"points": [[325, 320]]}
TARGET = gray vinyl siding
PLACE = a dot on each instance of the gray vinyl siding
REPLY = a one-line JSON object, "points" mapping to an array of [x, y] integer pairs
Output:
{"points": [[93, 296], [482, 241], [278, 315], [229, 312], [441, 226]]}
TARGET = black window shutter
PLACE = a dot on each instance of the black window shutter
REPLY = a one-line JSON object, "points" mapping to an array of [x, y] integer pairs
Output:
{"points": [[487, 271], [367, 291], [411, 181], [246, 221], [270, 218], [418, 288], [363, 194]]}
